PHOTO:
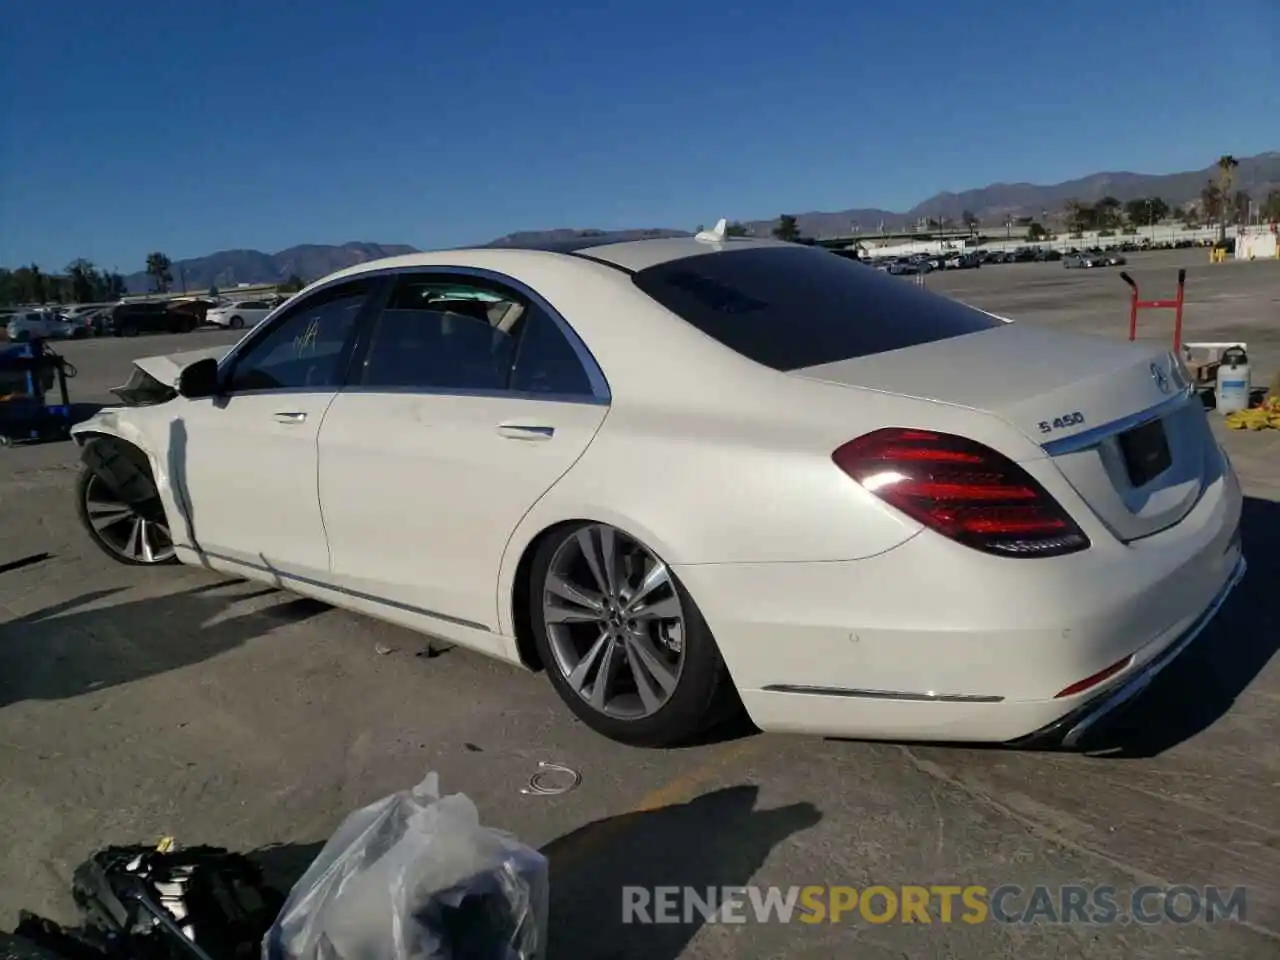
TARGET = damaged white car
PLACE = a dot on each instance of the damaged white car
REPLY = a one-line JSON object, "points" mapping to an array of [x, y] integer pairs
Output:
{"points": [[682, 474]]}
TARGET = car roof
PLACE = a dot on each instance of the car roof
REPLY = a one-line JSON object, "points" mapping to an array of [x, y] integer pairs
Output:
{"points": [[628, 255]]}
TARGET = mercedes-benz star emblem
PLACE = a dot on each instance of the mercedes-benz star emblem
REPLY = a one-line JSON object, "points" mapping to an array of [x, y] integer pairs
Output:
{"points": [[1160, 377]]}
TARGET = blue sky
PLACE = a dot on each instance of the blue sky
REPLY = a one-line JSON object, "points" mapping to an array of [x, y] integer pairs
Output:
{"points": [[190, 127]]}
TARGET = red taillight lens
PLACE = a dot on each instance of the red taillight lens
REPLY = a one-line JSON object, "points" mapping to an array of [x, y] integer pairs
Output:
{"points": [[963, 490]]}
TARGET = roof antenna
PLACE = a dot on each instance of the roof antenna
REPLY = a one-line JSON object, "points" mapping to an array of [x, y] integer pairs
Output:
{"points": [[716, 234]]}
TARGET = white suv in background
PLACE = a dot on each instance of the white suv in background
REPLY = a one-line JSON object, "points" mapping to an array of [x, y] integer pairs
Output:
{"points": [[237, 314], [42, 324]]}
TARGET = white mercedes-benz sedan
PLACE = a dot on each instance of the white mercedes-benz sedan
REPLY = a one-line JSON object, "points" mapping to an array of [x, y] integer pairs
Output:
{"points": [[685, 475]]}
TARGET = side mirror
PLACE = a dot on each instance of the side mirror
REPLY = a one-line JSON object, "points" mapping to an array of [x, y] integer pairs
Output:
{"points": [[200, 379]]}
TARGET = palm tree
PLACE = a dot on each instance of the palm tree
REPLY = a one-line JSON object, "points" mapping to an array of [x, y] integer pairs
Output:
{"points": [[1226, 177]]}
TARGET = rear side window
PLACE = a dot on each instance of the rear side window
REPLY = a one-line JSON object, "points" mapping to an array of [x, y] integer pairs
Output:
{"points": [[794, 307]]}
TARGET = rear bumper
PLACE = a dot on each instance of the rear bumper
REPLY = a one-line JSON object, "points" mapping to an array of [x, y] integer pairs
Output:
{"points": [[1070, 730], [932, 641]]}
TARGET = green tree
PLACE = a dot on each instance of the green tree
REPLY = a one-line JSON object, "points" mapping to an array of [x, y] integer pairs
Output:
{"points": [[1080, 216], [1240, 207], [1271, 206], [160, 270], [293, 284], [735, 229], [787, 228], [39, 286], [1226, 180], [970, 221], [1106, 213], [1146, 211], [86, 284], [114, 286], [1036, 232], [213, 291], [1211, 206]]}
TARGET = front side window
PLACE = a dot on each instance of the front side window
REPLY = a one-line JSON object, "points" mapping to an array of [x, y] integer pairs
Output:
{"points": [[791, 307], [304, 348]]}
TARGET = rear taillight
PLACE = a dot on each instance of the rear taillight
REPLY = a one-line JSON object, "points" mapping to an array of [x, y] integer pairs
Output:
{"points": [[963, 490]]}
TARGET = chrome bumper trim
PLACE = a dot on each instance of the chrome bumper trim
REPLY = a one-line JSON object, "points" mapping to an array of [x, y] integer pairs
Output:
{"points": [[881, 694]]}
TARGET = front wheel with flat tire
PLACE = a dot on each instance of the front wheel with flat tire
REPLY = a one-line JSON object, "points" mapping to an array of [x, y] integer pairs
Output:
{"points": [[132, 534], [621, 639]]}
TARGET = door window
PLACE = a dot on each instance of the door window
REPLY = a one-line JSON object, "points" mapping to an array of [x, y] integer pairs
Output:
{"points": [[439, 334], [547, 362], [306, 347]]}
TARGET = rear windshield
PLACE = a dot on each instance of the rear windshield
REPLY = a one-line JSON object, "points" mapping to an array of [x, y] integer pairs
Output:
{"points": [[795, 307]]}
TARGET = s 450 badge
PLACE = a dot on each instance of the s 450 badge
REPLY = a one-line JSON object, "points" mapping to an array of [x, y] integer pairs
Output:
{"points": [[1073, 419]]}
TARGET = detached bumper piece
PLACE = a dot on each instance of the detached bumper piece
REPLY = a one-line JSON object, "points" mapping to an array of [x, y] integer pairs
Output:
{"points": [[1069, 731], [148, 903]]}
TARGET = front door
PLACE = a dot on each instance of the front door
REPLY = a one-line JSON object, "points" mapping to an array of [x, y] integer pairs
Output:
{"points": [[242, 465], [469, 405]]}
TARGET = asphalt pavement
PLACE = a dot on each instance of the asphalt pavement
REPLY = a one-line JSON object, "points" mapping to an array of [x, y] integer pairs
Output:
{"points": [[136, 704]]}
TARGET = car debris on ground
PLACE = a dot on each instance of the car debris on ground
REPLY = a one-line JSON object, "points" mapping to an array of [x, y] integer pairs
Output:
{"points": [[413, 876]]}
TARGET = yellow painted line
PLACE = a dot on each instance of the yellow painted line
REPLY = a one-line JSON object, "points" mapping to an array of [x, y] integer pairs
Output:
{"points": [[683, 788]]}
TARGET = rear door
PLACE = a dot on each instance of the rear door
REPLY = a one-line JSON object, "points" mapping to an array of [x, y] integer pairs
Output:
{"points": [[474, 397]]}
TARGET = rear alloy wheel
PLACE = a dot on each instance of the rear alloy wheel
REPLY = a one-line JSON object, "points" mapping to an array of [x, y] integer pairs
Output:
{"points": [[137, 535], [623, 643]]}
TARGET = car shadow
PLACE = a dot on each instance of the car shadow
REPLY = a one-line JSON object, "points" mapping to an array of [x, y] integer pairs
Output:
{"points": [[76, 647], [1202, 684], [718, 840]]}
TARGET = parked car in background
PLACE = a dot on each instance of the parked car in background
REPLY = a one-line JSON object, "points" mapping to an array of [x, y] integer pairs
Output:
{"points": [[239, 314], [41, 324], [1085, 260], [197, 307], [131, 319]]}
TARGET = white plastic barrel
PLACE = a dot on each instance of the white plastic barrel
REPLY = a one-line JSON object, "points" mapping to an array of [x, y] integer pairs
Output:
{"points": [[1233, 381]]}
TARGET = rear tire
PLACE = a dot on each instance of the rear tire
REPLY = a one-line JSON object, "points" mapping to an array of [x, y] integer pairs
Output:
{"points": [[666, 682], [236, 323]]}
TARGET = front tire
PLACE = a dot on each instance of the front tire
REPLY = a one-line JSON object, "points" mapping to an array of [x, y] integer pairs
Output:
{"points": [[137, 536], [236, 323], [623, 643]]}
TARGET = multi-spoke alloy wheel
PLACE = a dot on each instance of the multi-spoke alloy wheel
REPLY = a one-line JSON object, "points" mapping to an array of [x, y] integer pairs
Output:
{"points": [[623, 641], [130, 534]]}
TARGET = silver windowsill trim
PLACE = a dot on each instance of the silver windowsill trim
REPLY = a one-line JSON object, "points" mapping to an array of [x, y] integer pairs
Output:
{"points": [[1095, 435], [881, 694]]}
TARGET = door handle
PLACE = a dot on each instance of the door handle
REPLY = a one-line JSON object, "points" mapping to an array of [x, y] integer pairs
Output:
{"points": [[522, 431], [290, 417]]}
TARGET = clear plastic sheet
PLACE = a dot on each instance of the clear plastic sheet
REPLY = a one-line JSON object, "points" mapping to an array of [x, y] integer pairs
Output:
{"points": [[415, 876]]}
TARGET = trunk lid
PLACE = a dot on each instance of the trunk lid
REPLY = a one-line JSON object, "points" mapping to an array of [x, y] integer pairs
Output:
{"points": [[1117, 419]]}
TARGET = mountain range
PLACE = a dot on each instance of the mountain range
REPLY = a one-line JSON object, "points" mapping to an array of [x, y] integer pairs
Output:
{"points": [[993, 205]]}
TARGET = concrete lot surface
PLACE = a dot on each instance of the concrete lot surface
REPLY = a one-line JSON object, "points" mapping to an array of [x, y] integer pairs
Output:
{"points": [[136, 704]]}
